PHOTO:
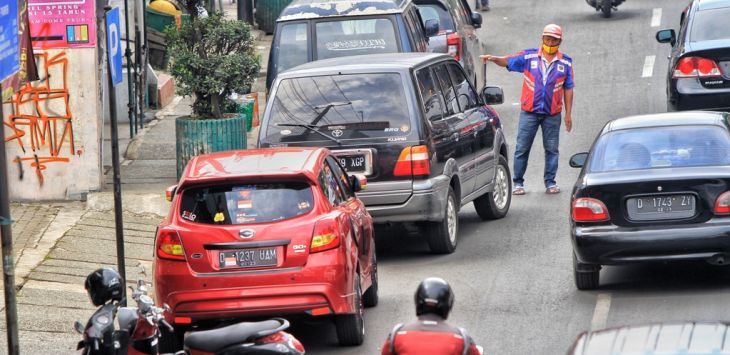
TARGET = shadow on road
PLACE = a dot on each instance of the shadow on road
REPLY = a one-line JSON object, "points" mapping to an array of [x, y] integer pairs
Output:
{"points": [[665, 278]]}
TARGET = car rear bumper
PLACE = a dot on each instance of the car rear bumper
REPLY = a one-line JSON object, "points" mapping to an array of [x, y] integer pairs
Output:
{"points": [[426, 203], [607, 245], [691, 95]]}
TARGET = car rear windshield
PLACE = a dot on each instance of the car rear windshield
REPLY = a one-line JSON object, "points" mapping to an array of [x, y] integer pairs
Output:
{"points": [[353, 106], [661, 147], [354, 37], [440, 14], [710, 24], [246, 203]]}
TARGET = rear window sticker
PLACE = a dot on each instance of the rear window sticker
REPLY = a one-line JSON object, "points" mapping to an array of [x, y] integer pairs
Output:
{"points": [[303, 205], [243, 218], [378, 43], [245, 204], [405, 128], [391, 129], [190, 216], [396, 139], [219, 217]]}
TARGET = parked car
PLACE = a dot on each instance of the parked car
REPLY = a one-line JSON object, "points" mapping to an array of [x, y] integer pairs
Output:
{"points": [[699, 64], [412, 123], [457, 34], [652, 188], [678, 338], [309, 30], [266, 232]]}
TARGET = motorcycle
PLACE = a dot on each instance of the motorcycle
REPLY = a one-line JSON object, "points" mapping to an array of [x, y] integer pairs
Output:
{"points": [[138, 331], [605, 6]]}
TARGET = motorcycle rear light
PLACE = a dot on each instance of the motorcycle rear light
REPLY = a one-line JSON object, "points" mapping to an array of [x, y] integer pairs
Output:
{"points": [[325, 237], [453, 41], [183, 320], [413, 161], [169, 245], [586, 209], [722, 204], [690, 67]]}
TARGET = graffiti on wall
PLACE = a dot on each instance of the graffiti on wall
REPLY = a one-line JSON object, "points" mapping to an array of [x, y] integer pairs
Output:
{"points": [[40, 122]]}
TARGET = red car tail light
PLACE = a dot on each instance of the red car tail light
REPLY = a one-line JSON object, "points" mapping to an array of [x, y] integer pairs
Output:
{"points": [[169, 245], [586, 209], [413, 161], [453, 41], [722, 204], [325, 236], [690, 67]]}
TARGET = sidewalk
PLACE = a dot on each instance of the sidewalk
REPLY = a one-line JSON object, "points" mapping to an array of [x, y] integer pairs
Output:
{"points": [[57, 244]]}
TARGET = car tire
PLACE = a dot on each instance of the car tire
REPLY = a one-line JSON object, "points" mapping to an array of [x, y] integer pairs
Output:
{"points": [[495, 204], [351, 327], [370, 298], [586, 275], [171, 342], [442, 236], [606, 8]]}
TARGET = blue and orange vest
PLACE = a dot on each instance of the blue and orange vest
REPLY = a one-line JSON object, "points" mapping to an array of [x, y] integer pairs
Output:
{"points": [[543, 96]]}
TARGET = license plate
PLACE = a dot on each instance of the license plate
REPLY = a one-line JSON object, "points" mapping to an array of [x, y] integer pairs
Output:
{"points": [[354, 163], [661, 207], [248, 258]]}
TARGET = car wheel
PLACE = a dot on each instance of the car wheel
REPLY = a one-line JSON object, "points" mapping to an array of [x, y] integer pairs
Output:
{"points": [[586, 275], [351, 327], [606, 8], [171, 342], [495, 204], [370, 298], [442, 235]]}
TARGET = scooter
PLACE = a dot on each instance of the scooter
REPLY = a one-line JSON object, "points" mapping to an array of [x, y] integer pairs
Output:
{"points": [[138, 332], [605, 6]]}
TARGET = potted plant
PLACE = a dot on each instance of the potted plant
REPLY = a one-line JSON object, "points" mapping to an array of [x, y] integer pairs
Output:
{"points": [[211, 58]]}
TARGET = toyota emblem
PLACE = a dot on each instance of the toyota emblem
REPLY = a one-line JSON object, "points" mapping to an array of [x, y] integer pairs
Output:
{"points": [[246, 233], [337, 133]]}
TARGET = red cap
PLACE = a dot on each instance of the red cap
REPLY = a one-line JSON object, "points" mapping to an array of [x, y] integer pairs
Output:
{"points": [[553, 30]]}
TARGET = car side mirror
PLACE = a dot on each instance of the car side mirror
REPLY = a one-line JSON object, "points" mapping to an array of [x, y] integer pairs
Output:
{"points": [[492, 95], [170, 193], [431, 27], [666, 36], [358, 182], [578, 160], [476, 19]]}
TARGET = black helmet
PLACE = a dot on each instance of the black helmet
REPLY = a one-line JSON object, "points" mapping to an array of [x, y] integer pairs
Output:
{"points": [[434, 295], [104, 285]]}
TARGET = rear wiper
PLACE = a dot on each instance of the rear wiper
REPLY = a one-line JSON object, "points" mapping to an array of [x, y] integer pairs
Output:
{"points": [[326, 108], [310, 127]]}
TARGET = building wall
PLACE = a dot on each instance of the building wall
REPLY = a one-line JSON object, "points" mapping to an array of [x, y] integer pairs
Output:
{"points": [[53, 128]]}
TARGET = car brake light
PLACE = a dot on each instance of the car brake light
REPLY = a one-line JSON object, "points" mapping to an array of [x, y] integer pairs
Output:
{"points": [[690, 67], [413, 161], [586, 209], [169, 245], [325, 236], [722, 204], [453, 41]]}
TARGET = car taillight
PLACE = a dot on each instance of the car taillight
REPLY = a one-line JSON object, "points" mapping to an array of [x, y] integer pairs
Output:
{"points": [[722, 204], [586, 209], [413, 161], [169, 245], [690, 67], [453, 41], [325, 236]]}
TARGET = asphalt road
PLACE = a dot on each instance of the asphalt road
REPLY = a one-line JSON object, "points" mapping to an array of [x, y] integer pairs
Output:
{"points": [[513, 277]]}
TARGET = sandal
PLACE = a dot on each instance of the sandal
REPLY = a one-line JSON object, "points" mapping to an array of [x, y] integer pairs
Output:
{"points": [[553, 190], [518, 190]]}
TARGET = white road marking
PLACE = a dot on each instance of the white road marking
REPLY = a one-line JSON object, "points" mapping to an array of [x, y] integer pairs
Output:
{"points": [[648, 66], [656, 17], [600, 314]]}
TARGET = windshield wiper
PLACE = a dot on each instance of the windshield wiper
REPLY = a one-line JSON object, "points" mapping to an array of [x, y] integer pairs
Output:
{"points": [[326, 108], [310, 127]]}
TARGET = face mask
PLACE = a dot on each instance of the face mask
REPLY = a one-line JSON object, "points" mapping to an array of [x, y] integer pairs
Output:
{"points": [[550, 49]]}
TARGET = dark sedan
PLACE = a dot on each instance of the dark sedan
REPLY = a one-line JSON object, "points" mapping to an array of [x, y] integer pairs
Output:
{"points": [[699, 65], [652, 188]]}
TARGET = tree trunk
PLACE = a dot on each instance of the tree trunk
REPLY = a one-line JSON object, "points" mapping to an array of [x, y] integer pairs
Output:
{"points": [[215, 106]]}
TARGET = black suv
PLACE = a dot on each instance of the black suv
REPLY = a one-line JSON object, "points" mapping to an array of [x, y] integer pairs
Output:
{"points": [[309, 30], [412, 123]]}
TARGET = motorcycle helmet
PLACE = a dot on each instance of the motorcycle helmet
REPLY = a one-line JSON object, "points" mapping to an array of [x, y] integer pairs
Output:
{"points": [[434, 296], [104, 285]]}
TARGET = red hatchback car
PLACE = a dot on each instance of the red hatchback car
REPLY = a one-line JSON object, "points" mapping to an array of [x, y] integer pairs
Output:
{"points": [[266, 232]]}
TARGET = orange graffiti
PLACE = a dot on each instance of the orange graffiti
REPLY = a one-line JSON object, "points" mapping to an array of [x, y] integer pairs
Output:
{"points": [[47, 128]]}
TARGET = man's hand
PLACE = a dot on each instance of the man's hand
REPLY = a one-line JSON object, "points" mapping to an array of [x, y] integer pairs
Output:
{"points": [[568, 123], [501, 61], [486, 58]]}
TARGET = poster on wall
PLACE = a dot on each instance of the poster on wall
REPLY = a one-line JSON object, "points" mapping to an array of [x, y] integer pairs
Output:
{"points": [[62, 23], [28, 70], [9, 44]]}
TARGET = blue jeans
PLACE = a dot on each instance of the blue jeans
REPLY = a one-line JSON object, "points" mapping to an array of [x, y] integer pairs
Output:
{"points": [[528, 125]]}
